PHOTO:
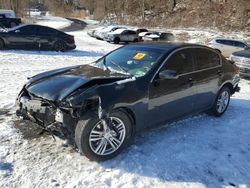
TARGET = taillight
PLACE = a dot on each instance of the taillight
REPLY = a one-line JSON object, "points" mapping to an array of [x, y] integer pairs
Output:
{"points": [[236, 69]]}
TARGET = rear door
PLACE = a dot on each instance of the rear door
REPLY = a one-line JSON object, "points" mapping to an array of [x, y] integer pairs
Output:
{"points": [[173, 98], [124, 36], [208, 73], [132, 36], [46, 37]]}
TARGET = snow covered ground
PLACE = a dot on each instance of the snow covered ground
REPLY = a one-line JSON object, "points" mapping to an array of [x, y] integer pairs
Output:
{"points": [[201, 151]]}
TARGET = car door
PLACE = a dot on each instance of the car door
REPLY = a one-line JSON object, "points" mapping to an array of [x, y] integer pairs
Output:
{"points": [[124, 36], [173, 98], [132, 36], [24, 37], [46, 36], [207, 75], [229, 48]]}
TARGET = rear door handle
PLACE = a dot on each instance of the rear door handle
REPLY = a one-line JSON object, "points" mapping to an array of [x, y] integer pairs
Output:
{"points": [[220, 72]]}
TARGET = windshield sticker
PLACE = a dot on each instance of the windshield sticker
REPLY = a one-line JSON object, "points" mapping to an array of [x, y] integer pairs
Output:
{"points": [[139, 56]]}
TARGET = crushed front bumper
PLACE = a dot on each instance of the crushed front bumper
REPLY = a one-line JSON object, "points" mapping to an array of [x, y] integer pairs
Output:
{"points": [[46, 115]]}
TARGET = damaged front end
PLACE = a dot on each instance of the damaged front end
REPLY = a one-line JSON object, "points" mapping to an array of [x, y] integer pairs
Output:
{"points": [[51, 116]]}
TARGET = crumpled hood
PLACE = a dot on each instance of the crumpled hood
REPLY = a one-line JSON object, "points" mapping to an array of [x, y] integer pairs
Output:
{"points": [[57, 84]]}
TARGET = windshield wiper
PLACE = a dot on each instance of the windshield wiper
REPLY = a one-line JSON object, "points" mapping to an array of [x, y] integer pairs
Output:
{"points": [[120, 67]]}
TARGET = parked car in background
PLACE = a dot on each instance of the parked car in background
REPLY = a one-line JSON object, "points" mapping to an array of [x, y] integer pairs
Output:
{"points": [[143, 34], [8, 19], [228, 46], [36, 37], [242, 59], [158, 36], [122, 35], [101, 34], [92, 32], [102, 105], [140, 30]]}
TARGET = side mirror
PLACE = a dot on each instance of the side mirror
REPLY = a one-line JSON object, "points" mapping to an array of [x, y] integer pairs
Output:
{"points": [[17, 31], [168, 74]]}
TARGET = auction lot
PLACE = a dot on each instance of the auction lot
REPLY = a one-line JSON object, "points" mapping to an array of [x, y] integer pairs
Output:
{"points": [[201, 151]]}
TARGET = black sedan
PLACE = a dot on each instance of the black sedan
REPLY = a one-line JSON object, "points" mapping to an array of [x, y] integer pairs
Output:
{"points": [[36, 37], [102, 105]]}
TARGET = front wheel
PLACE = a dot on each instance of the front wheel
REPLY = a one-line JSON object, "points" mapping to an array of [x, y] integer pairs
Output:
{"points": [[222, 101], [117, 40], [99, 141]]}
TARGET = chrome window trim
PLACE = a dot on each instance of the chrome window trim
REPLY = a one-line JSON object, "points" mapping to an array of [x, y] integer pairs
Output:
{"points": [[195, 71]]}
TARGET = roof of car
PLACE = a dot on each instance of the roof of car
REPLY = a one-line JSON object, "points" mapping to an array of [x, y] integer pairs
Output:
{"points": [[243, 53], [165, 45], [118, 31]]}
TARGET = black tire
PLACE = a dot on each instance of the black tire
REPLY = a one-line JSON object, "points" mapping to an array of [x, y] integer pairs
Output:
{"points": [[1, 44], [215, 109], [85, 127], [117, 40], [136, 40], [59, 46], [13, 24]]}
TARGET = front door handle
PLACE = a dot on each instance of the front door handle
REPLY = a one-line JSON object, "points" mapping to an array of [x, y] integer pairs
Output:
{"points": [[191, 81]]}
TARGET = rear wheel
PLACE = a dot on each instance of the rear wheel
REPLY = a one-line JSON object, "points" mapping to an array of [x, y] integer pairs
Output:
{"points": [[1, 44], [117, 40], [136, 40], [98, 141], [221, 102], [59, 46]]}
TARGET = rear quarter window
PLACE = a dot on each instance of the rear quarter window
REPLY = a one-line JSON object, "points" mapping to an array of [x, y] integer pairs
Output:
{"points": [[206, 59]]}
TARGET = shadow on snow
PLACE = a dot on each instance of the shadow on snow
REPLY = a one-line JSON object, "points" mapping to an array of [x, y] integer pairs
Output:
{"points": [[210, 151]]}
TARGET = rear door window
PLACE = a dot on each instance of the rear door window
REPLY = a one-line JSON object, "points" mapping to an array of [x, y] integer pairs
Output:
{"points": [[46, 31], [181, 62], [131, 32], [239, 44], [206, 58]]}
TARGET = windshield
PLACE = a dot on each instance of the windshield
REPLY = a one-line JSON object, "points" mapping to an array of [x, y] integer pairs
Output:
{"points": [[134, 61]]}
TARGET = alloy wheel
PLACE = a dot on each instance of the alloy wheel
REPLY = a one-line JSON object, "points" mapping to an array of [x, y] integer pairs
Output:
{"points": [[222, 101], [104, 140]]}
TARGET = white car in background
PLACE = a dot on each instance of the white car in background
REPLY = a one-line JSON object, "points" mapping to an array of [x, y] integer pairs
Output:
{"points": [[93, 31], [242, 60], [101, 34], [158, 36], [228, 46], [122, 35]]}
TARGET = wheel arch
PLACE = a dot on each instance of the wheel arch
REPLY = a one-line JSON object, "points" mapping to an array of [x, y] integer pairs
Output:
{"points": [[131, 115], [229, 85]]}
